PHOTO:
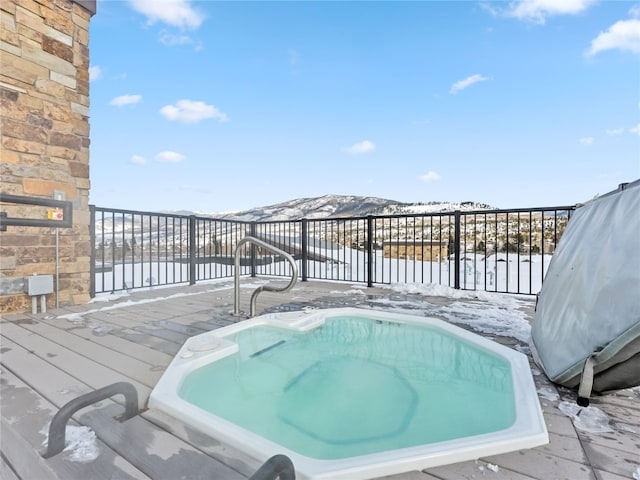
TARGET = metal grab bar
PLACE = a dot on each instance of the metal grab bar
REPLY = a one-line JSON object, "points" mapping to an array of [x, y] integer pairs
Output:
{"points": [[263, 288], [57, 429], [65, 205], [277, 467]]}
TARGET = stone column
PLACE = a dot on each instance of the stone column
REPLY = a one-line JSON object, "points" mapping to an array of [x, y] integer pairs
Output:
{"points": [[44, 119]]}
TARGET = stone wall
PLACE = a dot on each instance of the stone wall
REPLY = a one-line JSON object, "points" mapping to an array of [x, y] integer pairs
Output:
{"points": [[44, 115]]}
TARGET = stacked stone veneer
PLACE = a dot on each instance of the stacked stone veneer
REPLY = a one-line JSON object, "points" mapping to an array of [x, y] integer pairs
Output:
{"points": [[44, 115]]}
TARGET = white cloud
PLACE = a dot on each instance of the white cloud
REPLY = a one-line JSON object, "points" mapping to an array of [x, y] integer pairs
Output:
{"points": [[537, 11], [587, 140], [615, 131], [168, 156], [635, 129], [467, 82], [635, 11], [188, 111], [171, 40], [362, 147], [430, 176], [177, 13], [95, 73], [123, 100], [623, 35], [138, 160], [490, 8]]}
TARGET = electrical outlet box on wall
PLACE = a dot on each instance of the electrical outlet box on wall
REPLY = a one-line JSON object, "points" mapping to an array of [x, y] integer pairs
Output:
{"points": [[39, 284]]}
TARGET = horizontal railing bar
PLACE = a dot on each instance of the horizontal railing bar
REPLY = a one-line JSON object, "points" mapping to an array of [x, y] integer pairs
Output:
{"points": [[65, 205], [343, 219]]}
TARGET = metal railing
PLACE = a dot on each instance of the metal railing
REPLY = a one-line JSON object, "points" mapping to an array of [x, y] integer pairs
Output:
{"points": [[62, 219], [494, 250]]}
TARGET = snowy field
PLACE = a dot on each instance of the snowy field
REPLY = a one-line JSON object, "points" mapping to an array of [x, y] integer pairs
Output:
{"points": [[497, 273]]}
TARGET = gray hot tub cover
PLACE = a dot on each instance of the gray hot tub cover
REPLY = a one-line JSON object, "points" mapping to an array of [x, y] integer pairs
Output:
{"points": [[586, 328]]}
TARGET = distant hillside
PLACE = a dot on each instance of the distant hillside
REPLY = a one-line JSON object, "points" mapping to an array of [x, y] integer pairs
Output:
{"points": [[431, 207], [343, 206]]}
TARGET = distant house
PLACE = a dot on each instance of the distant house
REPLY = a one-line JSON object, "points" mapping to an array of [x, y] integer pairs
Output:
{"points": [[420, 250]]}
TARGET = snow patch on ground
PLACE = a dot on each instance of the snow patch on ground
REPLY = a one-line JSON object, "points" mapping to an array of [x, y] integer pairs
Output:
{"points": [[548, 393], [495, 314], [490, 319], [352, 291], [79, 317], [109, 297], [587, 419], [80, 443], [437, 290], [489, 466]]}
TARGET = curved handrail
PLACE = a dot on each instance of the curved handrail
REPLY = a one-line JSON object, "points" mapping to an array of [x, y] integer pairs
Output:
{"points": [[263, 288]]}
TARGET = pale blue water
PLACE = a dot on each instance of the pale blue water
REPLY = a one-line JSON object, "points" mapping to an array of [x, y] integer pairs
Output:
{"points": [[356, 386]]}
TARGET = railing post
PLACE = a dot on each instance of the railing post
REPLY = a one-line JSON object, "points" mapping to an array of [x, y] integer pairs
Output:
{"points": [[253, 249], [456, 250], [305, 246], [370, 234], [192, 249], [92, 261]]}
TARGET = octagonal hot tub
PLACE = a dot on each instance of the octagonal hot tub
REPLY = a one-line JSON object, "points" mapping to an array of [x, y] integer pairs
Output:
{"points": [[354, 394]]}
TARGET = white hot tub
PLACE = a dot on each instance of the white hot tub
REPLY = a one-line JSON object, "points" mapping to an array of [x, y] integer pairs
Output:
{"points": [[354, 394]]}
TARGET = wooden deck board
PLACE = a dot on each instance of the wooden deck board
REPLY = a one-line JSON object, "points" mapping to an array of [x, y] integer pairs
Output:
{"points": [[185, 327], [30, 414], [539, 464], [149, 341], [7, 472], [91, 373], [612, 460], [123, 364], [69, 351], [132, 349], [474, 470], [156, 452], [25, 461], [226, 454], [136, 440]]}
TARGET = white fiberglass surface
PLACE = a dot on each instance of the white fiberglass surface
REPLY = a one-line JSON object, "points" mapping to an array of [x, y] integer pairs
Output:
{"points": [[351, 393]]}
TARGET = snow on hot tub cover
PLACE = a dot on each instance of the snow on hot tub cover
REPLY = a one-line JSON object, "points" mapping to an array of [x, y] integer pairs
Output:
{"points": [[586, 328]]}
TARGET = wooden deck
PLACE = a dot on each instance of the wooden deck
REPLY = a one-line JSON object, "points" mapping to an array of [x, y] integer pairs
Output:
{"points": [[48, 359]]}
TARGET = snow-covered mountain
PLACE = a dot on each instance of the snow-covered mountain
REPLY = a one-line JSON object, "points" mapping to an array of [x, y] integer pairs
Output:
{"points": [[329, 206]]}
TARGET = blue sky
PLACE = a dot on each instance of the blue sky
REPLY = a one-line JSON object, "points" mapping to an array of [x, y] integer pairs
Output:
{"points": [[219, 106]]}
